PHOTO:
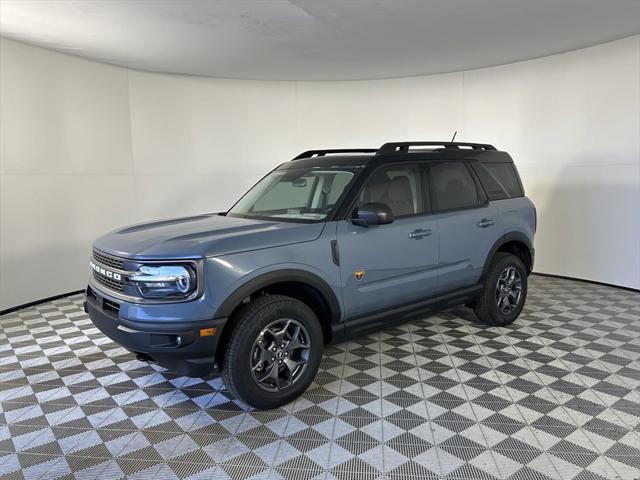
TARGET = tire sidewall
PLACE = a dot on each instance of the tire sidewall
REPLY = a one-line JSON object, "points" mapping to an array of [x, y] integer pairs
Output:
{"points": [[499, 318], [239, 363]]}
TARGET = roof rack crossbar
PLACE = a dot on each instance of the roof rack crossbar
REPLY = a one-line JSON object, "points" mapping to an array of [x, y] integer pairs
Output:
{"points": [[403, 147], [322, 153]]}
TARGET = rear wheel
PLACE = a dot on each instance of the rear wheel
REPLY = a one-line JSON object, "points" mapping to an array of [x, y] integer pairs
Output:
{"points": [[505, 291], [273, 353]]}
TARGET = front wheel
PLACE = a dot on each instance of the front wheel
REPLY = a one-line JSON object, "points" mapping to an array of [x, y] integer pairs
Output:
{"points": [[273, 353], [505, 291]]}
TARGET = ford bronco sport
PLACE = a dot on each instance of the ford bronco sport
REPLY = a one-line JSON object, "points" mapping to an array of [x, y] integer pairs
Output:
{"points": [[330, 244]]}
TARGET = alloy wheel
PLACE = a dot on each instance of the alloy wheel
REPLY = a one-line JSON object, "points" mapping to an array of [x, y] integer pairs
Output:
{"points": [[508, 289], [279, 354]]}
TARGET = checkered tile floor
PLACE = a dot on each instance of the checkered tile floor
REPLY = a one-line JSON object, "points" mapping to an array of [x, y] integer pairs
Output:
{"points": [[557, 395]]}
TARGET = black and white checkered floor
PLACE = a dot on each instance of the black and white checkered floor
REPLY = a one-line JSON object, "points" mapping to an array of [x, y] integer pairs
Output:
{"points": [[556, 395]]}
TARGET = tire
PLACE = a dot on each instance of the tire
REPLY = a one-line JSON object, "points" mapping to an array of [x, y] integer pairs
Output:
{"points": [[500, 304], [259, 372]]}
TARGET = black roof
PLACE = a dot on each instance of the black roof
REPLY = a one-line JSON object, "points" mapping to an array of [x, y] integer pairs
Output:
{"points": [[397, 151]]}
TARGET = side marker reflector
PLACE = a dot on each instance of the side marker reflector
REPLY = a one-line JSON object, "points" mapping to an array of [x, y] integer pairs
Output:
{"points": [[208, 332]]}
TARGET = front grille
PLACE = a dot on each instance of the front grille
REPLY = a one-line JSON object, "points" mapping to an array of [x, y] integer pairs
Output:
{"points": [[108, 260], [108, 282]]}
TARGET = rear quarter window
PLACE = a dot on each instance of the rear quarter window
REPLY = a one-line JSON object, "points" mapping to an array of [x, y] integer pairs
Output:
{"points": [[499, 179]]}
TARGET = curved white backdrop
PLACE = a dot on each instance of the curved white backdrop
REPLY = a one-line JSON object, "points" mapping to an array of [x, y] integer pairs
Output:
{"points": [[86, 147]]}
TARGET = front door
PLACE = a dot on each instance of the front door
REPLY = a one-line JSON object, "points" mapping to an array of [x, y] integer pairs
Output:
{"points": [[384, 266]]}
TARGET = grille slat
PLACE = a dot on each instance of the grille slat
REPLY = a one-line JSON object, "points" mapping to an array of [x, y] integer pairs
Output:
{"points": [[108, 282], [108, 260]]}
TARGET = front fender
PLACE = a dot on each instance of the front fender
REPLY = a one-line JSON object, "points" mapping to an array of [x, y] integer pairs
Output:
{"points": [[278, 274], [231, 278]]}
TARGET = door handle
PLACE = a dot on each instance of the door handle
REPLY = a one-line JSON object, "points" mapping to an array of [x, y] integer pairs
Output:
{"points": [[419, 233], [485, 222]]}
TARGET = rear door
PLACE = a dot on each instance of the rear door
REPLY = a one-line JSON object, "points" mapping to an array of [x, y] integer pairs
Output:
{"points": [[385, 266], [469, 224]]}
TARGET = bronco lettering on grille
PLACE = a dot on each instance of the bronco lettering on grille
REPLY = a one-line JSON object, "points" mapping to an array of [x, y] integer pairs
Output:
{"points": [[103, 271]]}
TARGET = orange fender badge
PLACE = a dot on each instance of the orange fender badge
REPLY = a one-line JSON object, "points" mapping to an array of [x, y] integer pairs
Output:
{"points": [[358, 274]]}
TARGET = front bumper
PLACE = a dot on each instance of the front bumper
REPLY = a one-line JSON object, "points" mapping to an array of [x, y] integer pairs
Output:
{"points": [[176, 345]]}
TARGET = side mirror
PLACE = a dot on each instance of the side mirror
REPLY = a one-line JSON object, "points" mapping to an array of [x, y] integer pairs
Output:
{"points": [[372, 214]]}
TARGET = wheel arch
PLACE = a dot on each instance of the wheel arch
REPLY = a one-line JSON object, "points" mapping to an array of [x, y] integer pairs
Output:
{"points": [[516, 243], [307, 287]]}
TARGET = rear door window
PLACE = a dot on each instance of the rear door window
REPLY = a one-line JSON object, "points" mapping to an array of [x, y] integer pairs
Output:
{"points": [[453, 186]]}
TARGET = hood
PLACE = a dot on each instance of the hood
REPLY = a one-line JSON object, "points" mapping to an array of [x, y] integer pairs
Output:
{"points": [[203, 236]]}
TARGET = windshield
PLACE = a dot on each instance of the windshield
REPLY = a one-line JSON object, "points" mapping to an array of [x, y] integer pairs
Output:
{"points": [[300, 194]]}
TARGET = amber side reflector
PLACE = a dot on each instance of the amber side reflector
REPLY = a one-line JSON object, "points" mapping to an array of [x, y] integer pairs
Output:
{"points": [[208, 332]]}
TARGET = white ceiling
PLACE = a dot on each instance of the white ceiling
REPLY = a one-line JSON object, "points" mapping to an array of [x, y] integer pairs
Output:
{"points": [[316, 39]]}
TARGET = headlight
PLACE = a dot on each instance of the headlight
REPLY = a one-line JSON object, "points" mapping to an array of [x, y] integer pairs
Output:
{"points": [[164, 281]]}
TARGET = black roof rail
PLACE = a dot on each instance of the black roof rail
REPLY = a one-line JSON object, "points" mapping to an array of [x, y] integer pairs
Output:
{"points": [[322, 153], [403, 147]]}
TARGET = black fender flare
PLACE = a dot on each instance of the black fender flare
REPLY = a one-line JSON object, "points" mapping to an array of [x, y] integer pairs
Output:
{"points": [[506, 238], [278, 276]]}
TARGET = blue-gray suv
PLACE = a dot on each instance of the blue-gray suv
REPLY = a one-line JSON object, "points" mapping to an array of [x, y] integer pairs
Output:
{"points": [[330, 244]]}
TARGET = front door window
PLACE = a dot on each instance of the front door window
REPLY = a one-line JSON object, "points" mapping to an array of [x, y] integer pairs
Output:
{"points": [[398, 186]]}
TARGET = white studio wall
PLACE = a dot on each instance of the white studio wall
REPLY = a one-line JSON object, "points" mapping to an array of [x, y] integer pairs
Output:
{"points": [[86, 147], [65, 167]]}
